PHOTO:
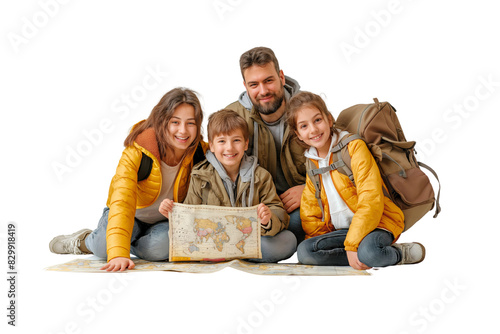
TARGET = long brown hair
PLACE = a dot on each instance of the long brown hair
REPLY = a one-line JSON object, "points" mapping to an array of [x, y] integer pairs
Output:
{"points": [[307, 99], [161, 115]]}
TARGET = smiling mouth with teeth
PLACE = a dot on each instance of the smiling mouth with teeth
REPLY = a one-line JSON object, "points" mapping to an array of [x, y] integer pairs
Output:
{"points": [[317, 137]]}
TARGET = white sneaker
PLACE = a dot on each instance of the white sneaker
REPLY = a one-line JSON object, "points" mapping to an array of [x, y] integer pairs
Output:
{"points": [[69, 244], [411, 253]]}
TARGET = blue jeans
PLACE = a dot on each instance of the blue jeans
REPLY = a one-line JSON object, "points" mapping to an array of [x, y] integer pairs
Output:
{"points": [[149, 241], [375, 249], [295, 225], [277, 248]]}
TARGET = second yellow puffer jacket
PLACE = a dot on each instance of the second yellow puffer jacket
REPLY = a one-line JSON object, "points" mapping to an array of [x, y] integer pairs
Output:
{"points": [[366, 200]]}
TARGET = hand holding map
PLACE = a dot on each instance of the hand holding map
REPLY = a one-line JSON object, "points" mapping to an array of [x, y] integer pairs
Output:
{"points": [[264, 213], [166, 207]]}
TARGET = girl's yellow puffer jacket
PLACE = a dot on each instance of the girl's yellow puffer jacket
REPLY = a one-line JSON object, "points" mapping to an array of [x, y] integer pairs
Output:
{"points": [[126, 194], [367, 201]]}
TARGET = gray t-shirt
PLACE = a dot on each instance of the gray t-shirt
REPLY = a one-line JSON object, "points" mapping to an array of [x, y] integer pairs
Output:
{"points": [[277, 129]]}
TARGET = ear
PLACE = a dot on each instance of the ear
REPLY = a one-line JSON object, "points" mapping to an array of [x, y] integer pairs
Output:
{"points": [[331, 121], [298, 136], [246, 144], [282, 77], [210, 144]]}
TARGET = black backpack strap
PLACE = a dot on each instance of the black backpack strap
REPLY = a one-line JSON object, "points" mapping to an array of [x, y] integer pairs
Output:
{"points": [[199, 155], [145, 167], [147, 163]]}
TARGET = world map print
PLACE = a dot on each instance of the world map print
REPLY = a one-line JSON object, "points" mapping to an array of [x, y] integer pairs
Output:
{"points": [[208, 233]]}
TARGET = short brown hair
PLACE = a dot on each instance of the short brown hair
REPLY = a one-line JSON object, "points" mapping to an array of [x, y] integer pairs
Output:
{"points": [[226, 121], [307, 99], [259, 56]]}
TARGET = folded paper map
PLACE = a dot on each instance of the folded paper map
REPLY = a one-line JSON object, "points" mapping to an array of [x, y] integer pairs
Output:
{"points": [[93, 265], [205, 232]]}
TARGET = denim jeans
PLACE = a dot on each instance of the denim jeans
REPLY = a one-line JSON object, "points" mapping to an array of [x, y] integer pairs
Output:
{"points": [[295, 225], [277, 248], [149, 241], [375, 249]]}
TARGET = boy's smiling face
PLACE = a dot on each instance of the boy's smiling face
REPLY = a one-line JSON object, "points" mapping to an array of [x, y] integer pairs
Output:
{"points": [[229, 150]]}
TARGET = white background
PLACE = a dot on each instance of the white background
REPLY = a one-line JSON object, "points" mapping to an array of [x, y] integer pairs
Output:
{"points": [[68, 68]]}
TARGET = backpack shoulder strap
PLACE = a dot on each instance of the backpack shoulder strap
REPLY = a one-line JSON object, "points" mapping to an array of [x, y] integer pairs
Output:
{"points": [[341, 157], [199, 155], [145, 167], [341, 162], [313, 175], [438, 207], [147, 163]]}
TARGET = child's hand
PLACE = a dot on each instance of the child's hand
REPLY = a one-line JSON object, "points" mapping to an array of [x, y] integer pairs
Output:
{"points": [[354, 262], [119, 263], [264, 214], [166, 207]]}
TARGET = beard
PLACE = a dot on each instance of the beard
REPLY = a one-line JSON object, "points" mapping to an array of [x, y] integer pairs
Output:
{"points": [[272, 107]]}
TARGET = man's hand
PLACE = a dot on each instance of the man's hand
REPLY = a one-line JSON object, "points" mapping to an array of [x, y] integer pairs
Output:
{"points": [[291, 198]]}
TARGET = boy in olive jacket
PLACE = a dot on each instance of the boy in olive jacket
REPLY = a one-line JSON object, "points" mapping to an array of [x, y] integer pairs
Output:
{"points": [[229, 177]]}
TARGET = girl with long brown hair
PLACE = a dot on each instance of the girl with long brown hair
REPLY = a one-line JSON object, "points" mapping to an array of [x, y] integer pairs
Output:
{"points": [[353, 223], [168, 143]]}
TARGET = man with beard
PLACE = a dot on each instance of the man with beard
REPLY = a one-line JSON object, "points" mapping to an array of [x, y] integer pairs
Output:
{"points": [[263, 107]]}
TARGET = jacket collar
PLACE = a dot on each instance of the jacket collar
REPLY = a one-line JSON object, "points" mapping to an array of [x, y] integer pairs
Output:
{"points": [[312, 152]]}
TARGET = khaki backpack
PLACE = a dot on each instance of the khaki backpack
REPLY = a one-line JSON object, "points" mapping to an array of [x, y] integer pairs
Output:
{"points": [[405, 183]]}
